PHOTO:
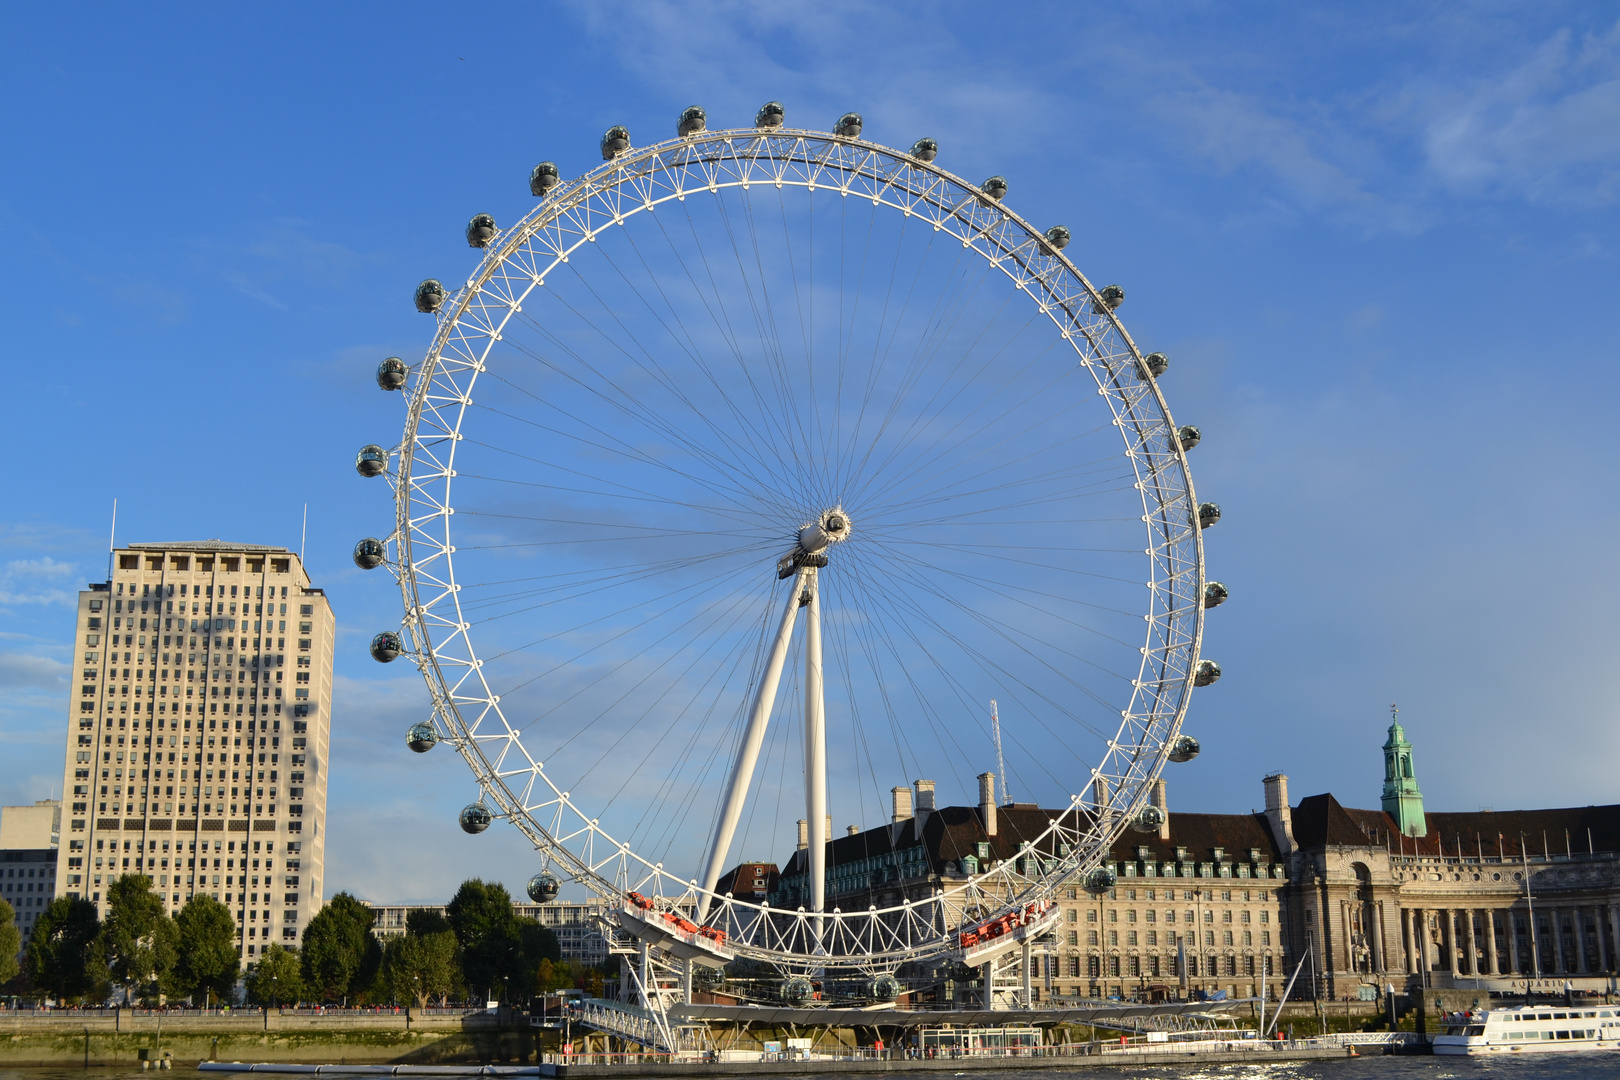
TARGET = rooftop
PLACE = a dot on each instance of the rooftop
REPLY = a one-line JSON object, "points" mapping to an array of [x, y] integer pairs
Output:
{"points": [[205, 545]]}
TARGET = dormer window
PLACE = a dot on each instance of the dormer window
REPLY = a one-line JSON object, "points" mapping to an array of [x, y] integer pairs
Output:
{"points": [[1220, 853], [1181, 854]]}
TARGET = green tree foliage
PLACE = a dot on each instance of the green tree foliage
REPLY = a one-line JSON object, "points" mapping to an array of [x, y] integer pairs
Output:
{"points": [[500, 953], [418, 968], [422, 922], [10, 943], [207, 962], [277, 979], [138, 942], [337, 943], [58, 960]]}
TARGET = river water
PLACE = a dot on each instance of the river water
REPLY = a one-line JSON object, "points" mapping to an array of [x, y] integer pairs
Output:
{"points": [[1537, 1067]]}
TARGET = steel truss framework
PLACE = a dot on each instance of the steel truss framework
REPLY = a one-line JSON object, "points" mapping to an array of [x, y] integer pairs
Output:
{"points": [[467, 712]]}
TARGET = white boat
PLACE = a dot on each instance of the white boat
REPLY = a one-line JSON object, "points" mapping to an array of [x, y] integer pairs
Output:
{"points": [[1534, 1029]]}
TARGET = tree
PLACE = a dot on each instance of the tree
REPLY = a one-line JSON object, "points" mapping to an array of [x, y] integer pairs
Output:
{"points": [[138, 940], [336, 943], [276, 979], [499, 951], [207, 963], [10, 943], [417, 968], [422, 921], [59, 951]]}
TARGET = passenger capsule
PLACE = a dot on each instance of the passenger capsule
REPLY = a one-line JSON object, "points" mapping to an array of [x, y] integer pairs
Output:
{"points": [[369, 553], [849, 125], [796, 989], [1108, 300], [371, 461], [386, 647], [543, 887], [615, 141], [1148, 819], [995, 187], [1184, 749], [1214, 594], [475, 818], [544, 177], [925, 149], [421, 738], [1188, 437], [884, 988], [429, 296], [692, 120], [1154, 364], [1208, 514], [770, 115], [480, 231], [1207, 673], [1101, 879], [392, 373], [1058, 237]]}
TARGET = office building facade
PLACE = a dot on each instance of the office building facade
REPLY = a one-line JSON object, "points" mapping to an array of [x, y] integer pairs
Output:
{"points": [[199, 729]]}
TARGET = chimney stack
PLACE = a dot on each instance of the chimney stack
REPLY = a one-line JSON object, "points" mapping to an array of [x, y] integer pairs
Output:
{"points": [[1159, 801], [854, 830], [900, 798], [1100, 795], [925, 794], [987, 802], [1279, 814], [804, 835]]}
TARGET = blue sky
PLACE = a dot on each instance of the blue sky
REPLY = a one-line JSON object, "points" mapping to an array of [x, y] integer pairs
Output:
{"points": [[1378, 243]]}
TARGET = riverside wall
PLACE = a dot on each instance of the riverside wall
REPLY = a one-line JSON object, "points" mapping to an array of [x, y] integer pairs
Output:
{"points": [[118, 1037]]}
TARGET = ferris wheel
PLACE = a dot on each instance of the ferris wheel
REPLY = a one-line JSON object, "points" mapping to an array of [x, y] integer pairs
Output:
{"points": [[742, 475]]}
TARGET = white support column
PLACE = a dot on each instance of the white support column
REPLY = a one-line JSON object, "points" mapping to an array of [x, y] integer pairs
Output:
{"points": [[815, 740], [1029, 985], [742, 770]]}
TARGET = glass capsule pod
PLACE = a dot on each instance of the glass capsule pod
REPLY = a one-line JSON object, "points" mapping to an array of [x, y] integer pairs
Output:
{"points": [[386, 647], [421, 738], [770, 115], [481, 230], [1101, 879], [1208, 514], [475, 818], [1058, 237], [1154, 364], [1188, 436], [1184, 749], [544, 887], [849, 125], [1108, 300], [884, 988], [692, 120], [371, 461], [369, 553], [995, 187], [925, 149], [1207, 673], [429, 296], [615, 141], [544, 177], [796, 989], [1149, 819], [392, 373], [1214, 594]]}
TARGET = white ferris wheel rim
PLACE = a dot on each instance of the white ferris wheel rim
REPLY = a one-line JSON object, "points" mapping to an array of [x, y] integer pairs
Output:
{"points": [[467, 712]]}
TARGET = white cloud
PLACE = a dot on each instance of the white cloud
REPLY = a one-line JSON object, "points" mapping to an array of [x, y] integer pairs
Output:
{"points": [[18, 670], [1548, 130], [36, 581]]}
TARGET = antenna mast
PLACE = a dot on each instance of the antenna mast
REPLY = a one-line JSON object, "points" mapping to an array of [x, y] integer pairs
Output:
{"points": [[1001, 765], [112, 535]]}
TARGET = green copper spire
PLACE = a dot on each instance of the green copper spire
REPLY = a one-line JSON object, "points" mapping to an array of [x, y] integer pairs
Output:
{"points": [[1402, 799]]}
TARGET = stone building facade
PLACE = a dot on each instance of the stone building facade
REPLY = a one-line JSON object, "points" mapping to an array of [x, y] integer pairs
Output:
{"points": [[199, 732], [1350, 899]]}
